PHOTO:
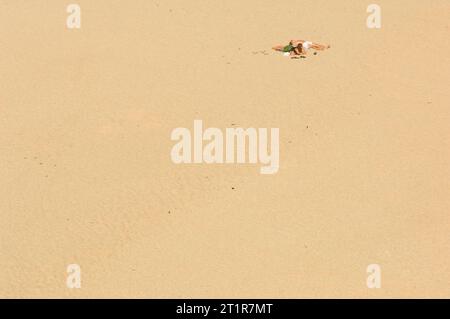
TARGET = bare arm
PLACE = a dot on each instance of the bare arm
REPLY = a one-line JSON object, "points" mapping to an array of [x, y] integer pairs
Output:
{"points": [[320, 47]]}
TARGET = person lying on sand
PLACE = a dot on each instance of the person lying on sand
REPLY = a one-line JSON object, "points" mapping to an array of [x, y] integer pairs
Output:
{"points": [[299, 48]]}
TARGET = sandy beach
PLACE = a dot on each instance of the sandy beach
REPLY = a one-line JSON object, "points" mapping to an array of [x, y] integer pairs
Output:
{"points": [[86, 176]]}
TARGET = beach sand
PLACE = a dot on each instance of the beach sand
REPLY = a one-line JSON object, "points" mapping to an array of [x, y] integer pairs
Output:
{"points": [[86, 175]]}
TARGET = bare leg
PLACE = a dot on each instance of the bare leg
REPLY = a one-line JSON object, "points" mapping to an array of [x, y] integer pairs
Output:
{"points": [[278, 47]]}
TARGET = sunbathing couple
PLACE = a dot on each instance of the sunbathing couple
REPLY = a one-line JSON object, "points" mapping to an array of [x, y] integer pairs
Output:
{"points": [[299, 48]]}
